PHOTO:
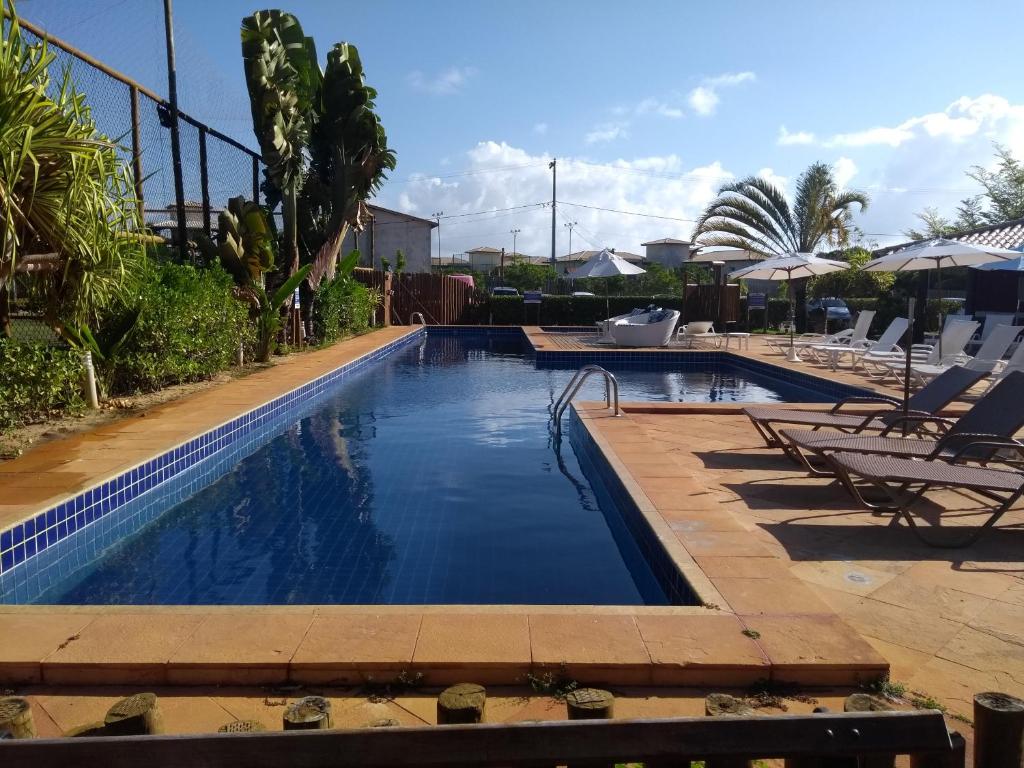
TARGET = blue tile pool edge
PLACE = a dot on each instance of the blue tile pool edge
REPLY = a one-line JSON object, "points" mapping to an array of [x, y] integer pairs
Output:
{"points": [[28, 538]]}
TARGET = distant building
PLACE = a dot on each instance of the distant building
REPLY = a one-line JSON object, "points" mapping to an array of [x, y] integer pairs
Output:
{"points": [[167, 223], [485, 258], [668, 252], [389, 231], [566, 264]]}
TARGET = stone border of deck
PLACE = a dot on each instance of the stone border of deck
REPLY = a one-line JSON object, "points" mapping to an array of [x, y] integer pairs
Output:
{"points": [[729, 641]]}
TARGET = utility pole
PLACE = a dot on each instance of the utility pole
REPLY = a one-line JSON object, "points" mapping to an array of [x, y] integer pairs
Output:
{"points": [[437, 217], [514, 232], [501, 268], [172, 95], [553, 165], [570, 225]]}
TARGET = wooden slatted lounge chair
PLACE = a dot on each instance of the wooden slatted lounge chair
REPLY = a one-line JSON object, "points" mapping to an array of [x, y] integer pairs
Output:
{"points": [[998, 415], [904, 481], [928, 401]]}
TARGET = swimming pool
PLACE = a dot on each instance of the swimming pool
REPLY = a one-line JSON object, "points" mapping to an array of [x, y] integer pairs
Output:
{"points": [[430, 476]]}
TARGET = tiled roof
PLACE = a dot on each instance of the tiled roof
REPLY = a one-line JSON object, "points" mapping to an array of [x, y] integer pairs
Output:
{"points": [[584, 255], [1009, 234], [484, 249]]}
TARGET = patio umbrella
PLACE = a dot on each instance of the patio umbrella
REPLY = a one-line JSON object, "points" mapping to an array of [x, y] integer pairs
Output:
{"points": [[790, 267], [935, 254], [606, 264]]}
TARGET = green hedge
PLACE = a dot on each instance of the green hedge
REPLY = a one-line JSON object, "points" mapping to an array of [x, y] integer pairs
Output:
{"points": [[37, 381], [342, 307], [571, 310], [190, 328]]}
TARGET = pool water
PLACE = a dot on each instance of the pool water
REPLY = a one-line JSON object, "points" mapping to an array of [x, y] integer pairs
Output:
{"points": [[430, 477]]}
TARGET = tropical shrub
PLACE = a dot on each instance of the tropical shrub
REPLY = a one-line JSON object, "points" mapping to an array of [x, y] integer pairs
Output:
{"points": [[190, 327], [65, 189], [37, 381], [343, 305]]}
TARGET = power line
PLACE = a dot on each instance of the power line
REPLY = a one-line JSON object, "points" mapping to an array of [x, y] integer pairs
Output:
{"points": [[495, 210], [460, 174], [626, 213]]}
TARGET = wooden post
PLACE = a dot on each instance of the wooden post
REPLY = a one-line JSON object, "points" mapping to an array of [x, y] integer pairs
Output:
{"points": [[719, 705], [462, 703], [136, 715], [311, 713], [954, 758], [589, 704], [16, 718], [998, 730], [204, 179], [242, 726], [386, 294]]}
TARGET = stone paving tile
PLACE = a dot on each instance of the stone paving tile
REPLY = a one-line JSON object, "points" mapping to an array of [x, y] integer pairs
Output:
{"points": [[378, 645], [26, 639], [777, 596], [449, 644], [591, 645], [684, 647]]}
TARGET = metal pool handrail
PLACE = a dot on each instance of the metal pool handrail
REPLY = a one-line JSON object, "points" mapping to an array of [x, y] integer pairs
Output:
{"points": [[414, 315], [611, 391]]}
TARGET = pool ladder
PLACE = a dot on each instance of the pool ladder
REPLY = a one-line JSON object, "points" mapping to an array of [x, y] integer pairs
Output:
{"points": [[414, 315], [611, 391]]}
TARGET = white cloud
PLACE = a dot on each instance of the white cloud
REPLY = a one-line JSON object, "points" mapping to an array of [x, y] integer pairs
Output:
{"points": [[769, 175], [660, 185], [540, 128], [658, 107], [799, 137], [704, 98], [872, 136], [607, 132], [844, 169], [443, 83]]}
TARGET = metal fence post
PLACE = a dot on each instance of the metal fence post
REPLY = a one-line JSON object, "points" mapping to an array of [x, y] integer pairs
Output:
{"points": [[137, 149], [256, 179], [204, 179]]}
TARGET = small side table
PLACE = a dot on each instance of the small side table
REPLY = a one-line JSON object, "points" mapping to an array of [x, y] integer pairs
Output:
{"points": [[742, 340]]}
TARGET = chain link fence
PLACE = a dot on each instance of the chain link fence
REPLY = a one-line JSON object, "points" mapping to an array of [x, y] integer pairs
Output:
{"points": [[214, 167]]}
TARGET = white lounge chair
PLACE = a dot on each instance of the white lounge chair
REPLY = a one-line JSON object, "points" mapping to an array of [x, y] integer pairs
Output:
{"points": [[639, 331], [886, 345], [856, 336], [696, 331], [949, 350], [990, 321], [1015, 363], [989, 357]]}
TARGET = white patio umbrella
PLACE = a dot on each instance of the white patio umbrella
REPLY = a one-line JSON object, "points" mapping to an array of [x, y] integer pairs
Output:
{"points": [[606, 264], [935, 254], [790, 267]]}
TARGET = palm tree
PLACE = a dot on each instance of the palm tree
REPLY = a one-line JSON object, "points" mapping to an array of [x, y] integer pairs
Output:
{"points": [[754, 215]]}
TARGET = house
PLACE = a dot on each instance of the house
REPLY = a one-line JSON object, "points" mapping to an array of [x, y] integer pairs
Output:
{"points": [[168, 221], [572, 261], [988, 291], [485, 258], [388, 232], [668, 251]]}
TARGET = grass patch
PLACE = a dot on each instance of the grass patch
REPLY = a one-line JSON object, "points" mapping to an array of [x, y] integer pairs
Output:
{"points": [[753, 634], [556, 684], [889, 689]]}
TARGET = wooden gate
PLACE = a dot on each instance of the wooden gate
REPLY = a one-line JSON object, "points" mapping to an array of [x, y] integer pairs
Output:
{"points": [[442, 300]]}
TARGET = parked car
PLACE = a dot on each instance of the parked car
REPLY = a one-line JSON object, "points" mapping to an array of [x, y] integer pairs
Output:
{"points": [[502, 290], [830, 310], [582, 293]]}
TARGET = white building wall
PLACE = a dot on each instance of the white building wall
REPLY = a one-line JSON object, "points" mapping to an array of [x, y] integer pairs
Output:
{"points": [[393, 231]]}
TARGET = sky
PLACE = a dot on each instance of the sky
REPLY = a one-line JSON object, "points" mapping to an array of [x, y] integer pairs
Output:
{"points": [[649, 107]]}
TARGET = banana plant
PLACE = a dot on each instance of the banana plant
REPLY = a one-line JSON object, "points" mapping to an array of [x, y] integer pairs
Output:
{"points": [[350, 158], [245, 241], [283, 79], [268, 318]]}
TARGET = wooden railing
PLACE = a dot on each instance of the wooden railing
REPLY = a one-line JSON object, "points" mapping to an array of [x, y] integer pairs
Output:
{"points": [[441, 299], [804, 740]]}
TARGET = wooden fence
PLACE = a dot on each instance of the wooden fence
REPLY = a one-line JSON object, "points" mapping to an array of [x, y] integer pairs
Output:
{"points": [[442, 300], [802, 740]]}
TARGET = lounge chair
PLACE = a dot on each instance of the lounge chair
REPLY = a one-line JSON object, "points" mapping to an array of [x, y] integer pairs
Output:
{"points": [[696, 331], [904, 481], [804, 341], [990, 322], [854, 337], [927, 401], [1015, 363], [949, 351], [651, 329], [988, 358], [998, 415], [886, 346]]}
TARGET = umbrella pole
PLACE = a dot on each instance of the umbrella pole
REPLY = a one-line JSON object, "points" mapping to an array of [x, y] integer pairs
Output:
{"points": [[942, 326], [607, 306], [792, 356]]}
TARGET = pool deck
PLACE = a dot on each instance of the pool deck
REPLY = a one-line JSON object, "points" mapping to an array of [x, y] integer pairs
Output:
{"points": [[798, 585]]}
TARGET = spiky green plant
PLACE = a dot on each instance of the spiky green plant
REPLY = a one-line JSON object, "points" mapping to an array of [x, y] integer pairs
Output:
{"points": [[754, 215], [245, 241], [64, 188]]}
